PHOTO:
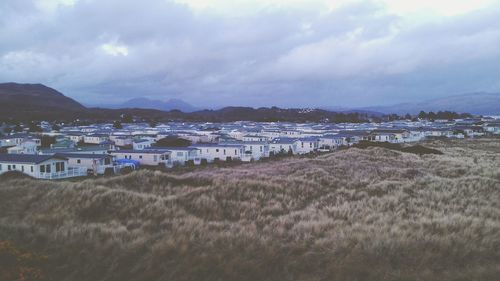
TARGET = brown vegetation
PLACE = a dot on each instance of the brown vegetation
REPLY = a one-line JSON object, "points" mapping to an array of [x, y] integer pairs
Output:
{"points": [[415, 149], [372, 214]]}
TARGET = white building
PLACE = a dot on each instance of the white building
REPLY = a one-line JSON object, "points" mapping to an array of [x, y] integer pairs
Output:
{"points": [[254, 138], [256, 150], [283, 146], [122, 140], [25, 147], [390, 135], [148, 157], [222, 152], [439, 132], [92, 163], [141, 144], [307, 145], [180, 156], [39, 166], [16, 139], [96, 138], [493, 128], [76, 138], [331, 142]]}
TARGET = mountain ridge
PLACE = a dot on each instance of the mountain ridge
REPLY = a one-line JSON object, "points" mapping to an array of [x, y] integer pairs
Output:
{"points": [[39, 102], [481, 103], [146, 103]]}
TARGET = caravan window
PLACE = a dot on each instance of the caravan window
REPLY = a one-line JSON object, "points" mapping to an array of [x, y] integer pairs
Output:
{"points": [[59, 166], [42, 169]]}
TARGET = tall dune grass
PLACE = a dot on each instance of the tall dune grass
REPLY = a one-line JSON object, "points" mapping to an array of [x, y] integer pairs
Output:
{"points": [[371, 214]]}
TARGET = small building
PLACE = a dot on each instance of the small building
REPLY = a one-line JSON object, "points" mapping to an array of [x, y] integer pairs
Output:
{"points": [[122, 141], [141, 144], [283, 146], [439, 132], [16, 139], [180, 156], [93, 163], [307, 145], [39, 166], [492, 128], [26, 147], [148, 157], [92, 149], [256, 150], [75, 137], [390, 135], [63, 143], [254, 138], [331, 142], [95, 138], [216, 151]]}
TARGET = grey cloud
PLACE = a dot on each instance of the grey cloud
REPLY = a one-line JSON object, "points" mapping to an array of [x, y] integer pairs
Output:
{"points": [[357, 55]]}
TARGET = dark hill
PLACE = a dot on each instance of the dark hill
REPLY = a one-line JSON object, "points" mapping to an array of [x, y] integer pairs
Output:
{"points": [[27, 102], [171, 104], [35, 101]]}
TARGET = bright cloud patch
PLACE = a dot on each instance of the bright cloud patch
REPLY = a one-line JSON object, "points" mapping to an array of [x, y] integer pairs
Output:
{"points": [[115, 50], [52, 5]]}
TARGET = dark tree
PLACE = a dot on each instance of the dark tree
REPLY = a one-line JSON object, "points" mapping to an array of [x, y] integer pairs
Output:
{"points": [[117, 125], [432, 116], [153, 123], [46, 141], [127, 118], [56, 127], [18, 128], [34, 128], [173, 142], [7, 130]]}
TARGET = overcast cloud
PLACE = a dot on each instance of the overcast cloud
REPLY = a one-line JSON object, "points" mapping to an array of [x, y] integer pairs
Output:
{"points": [[257, 53]]}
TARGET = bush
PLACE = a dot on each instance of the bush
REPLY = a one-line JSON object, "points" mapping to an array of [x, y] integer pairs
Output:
{"points": [[126, 170], [421, 150], [13, 175], [416, 149]]}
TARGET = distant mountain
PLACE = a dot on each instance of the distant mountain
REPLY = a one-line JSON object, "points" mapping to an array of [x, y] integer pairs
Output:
{"points": [[26, 102], [475, 103], [34, 101], [172, 104]]}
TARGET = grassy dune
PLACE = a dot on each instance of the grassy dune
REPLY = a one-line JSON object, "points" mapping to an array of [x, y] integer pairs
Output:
{"points": [[371, 214]]}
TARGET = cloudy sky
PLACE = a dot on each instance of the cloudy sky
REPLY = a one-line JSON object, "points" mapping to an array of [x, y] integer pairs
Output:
{"points": [[290, 53]]}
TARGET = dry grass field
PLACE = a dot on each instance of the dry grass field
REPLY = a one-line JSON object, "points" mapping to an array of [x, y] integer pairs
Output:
{"points": [[371, 214]]}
